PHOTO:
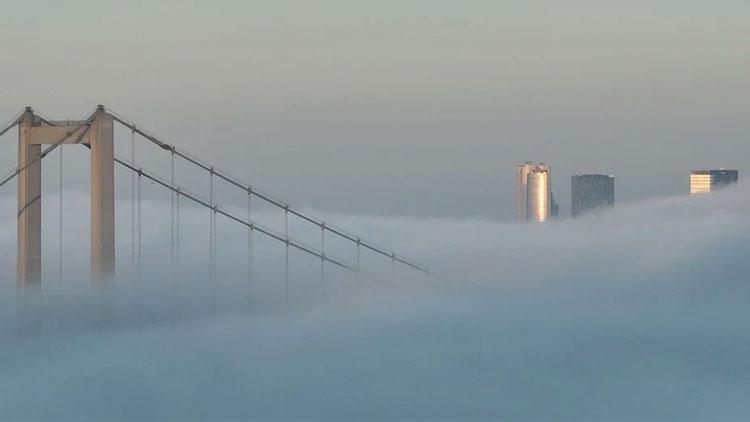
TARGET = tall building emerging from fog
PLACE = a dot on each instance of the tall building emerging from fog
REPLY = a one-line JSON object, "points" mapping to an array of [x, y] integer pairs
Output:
{"points": [[554, 211], [519, 194], [591, 191], [533, 193], [706, 181]]}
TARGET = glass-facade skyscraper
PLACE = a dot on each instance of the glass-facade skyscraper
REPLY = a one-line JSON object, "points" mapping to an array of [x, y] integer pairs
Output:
{"points": [[520, 191], [706, 181], [554, 211], [533, 192], [591, 191]]}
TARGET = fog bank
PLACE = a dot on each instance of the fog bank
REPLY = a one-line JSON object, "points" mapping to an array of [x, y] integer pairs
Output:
{"points": [[636, 313]]}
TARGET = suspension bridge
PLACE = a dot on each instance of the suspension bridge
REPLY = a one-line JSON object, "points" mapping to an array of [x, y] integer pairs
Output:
{"points": [[38, 136]]}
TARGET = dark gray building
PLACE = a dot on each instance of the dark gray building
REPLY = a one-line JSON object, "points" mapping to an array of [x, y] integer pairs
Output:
{"points": [[705, 181], [591, 191], [723, 177], [554, 211]]}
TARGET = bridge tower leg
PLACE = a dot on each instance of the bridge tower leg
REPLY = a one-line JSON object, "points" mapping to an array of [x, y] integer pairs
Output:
{"points": [[29, 254], [32, 135], [102, 198]]}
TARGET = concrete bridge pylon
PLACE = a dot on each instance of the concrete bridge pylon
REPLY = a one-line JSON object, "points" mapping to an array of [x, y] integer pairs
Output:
{"points": [[98, 134]]}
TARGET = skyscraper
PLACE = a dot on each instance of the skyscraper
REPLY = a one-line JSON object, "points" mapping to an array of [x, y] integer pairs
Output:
{"points": [[533, 195], [554, 211], [706, 181], [519, 194], [591, 191]]}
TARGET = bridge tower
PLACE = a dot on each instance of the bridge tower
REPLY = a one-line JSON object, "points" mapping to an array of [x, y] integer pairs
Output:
{"points": [[98, 134]]}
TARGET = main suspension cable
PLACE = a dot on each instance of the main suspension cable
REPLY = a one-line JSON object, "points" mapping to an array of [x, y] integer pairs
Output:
{"points": [[267, 198], [205, 203], [12, 122]]}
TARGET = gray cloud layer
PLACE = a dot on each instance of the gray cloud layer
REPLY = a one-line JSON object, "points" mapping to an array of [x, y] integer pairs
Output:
{"points": [[638, 313]]}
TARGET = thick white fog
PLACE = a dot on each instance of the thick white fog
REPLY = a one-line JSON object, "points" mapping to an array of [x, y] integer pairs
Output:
{"points": [[636, 313]]}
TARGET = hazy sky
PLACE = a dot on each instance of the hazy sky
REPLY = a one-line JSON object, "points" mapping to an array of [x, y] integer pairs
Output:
{"points": [[403, 107]]}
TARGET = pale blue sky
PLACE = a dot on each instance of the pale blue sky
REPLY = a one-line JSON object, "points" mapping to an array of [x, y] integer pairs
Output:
{"points": [[408, 107]]}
